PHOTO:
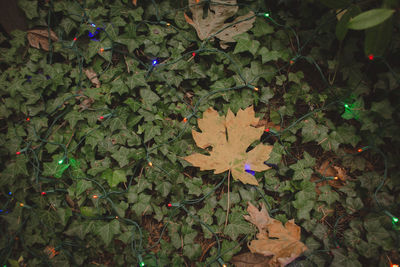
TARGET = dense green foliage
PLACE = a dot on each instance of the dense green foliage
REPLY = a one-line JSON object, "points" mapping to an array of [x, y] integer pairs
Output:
{"points": [[303, 60]]}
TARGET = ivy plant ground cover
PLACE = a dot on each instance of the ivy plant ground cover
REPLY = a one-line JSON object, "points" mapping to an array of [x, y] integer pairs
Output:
{"points": [[101, 102]]}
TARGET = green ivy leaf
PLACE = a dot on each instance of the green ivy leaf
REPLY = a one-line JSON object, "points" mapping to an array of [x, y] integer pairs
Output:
{"points": [[237, 225], [108, 231], [82, 185], [353, 204], [304, 203], [164, 188], [245, 44], [114, 177], [122, 156], [29, 7], [384, 108], [73, 117], [142, 205], [119, 86], [89, 211], [328, 195], [149, 97], [268, 55]]}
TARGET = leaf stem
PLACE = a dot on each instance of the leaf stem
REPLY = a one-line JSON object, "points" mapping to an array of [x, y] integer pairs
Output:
{"points": [[227, 208]]}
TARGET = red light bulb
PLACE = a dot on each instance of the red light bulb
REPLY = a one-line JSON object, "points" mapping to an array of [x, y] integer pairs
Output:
{"points": [[27, 119], [18, 153], [194, 54], [43, 193], [101, 117], [371, 57], [359, 150], [95, 196], [266, 130], [169, 205], [75, 39]]}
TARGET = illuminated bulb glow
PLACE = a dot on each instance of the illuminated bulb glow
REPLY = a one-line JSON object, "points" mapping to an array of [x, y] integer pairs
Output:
{"points": [[116, 217], [95, 196], [169, 205], [43, 193], [291, 62], [150, 164], [395, 220], [371, 57], [101, 117], [194, 54], [21, 204], [60, 161], [155, 62], [359, 150], [94, 26], [168, 24], [101, 50], [255, 88], [27, 119], [75, 39], [335, 178], [184, 119], [266, 130], [266, 15], [18, 153], [395, 265]]}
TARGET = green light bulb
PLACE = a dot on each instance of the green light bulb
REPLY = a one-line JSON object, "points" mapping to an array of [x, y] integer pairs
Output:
{"points": [[395, 220], [142, 264], [346, 105], [60, 161], [266, 15]]}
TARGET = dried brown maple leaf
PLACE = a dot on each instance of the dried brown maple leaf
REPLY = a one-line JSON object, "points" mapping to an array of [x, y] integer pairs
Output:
{"points": [[92, 76], [249, 259], [281, 242], [40, 38], [230, 137], [215, 20]]}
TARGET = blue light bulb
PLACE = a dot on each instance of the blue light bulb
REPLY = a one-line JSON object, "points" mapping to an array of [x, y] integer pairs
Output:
{"points": [[154, 62]]}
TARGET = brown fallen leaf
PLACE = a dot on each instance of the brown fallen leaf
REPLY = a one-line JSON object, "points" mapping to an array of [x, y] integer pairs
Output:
{"points": [[229, 138], [327, 169], [249, 259], [267, 124], [86, 102], [92, 76], [281, 242], [40, 38], [215, 20]]}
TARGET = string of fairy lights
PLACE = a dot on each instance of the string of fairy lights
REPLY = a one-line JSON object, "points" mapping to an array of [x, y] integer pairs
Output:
{"points": [[68, 164]]}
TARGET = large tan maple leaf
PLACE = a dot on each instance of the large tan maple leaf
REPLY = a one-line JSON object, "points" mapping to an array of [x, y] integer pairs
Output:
{"points": [[281, 242], [229, 138]]}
